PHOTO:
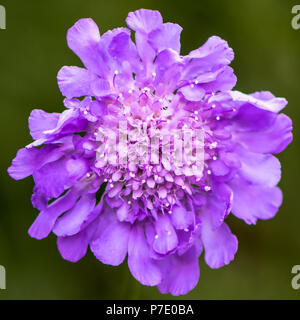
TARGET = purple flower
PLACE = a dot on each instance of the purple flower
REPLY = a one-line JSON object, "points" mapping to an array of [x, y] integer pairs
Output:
{"points": [[159, 212]]}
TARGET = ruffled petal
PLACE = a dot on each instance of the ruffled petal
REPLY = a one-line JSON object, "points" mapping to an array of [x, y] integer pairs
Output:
{"points": [[110, 243], [122, 49], [220, 244], [251, 118], [225, 80], [166, 238], [215, 51], [122, 212], [264, 101], [272, 140], [73, 248], [193, 92], [252, 202], [40, 121], [100, 87], [39, 200], [220, 79], [68, 122], [45, 221], [54, 177], [24, 163], [218, 205], [182, 218], [208, 61], [142, 267], [168, 66], [28, 160], [144, 20], [166, 37], [150, 233], [180, 273], [75, 82], [98, 108], [70, 223], [259, 168], [165, 59], [84, 38], [145, 50], [219, 168], [189, 237]]}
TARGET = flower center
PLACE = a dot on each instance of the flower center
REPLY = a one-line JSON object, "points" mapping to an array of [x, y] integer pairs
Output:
{"points": [[154, 152]]}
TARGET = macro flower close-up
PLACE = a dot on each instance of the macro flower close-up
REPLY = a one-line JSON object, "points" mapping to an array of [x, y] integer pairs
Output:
{"points": [[153, 151]]}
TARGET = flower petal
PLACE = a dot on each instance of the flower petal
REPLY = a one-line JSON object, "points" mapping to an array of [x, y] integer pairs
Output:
{"points": [[69, 122], [142, 267], [220, 245], [45, 221], [110, 244], [181, 218], [144, 20], [259, 168], [219, 168], [84, 38], [266, 204], [70, 223], [166, 238], [145, 51], [218, 205], [166, 37], [39, 200], [122, 49], [192, 92], [24, 163], [54, 177], [28, 160], [75, 82], [39, 121], [225, 80], [73, 248], [208, 59], [215, 51], [272, 104], [251, 118], [122, 212], [272, 140], [180, 273]]}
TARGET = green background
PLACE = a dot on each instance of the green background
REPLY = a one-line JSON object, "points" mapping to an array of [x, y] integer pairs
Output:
{"points": [[33, 48]]}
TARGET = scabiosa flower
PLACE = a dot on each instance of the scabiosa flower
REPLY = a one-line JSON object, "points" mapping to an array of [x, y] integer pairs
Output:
{"points": [[161, 214]]}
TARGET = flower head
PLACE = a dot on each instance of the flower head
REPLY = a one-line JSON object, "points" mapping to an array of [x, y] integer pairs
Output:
{"points": [[164, 141]]}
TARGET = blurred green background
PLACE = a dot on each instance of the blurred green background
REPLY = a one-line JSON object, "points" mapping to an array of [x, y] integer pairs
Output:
{"points": [[33, 48]]}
